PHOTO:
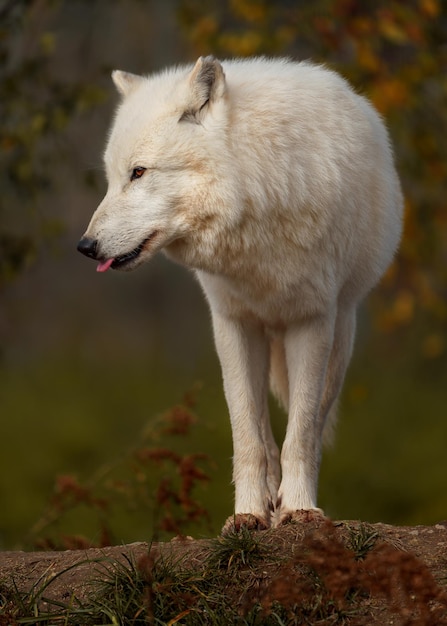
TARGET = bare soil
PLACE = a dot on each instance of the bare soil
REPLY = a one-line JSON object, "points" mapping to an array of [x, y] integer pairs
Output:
{"points": [[401, 572]]}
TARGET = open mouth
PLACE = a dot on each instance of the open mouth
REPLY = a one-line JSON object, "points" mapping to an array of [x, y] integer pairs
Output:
{"points": [[124, 260], [121, 260]]}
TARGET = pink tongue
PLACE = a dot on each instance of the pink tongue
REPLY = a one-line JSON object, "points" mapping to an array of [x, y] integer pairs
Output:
{"points": [[104, 265]]}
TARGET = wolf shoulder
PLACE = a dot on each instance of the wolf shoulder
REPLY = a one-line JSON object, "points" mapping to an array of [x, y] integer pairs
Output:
{"points": [[300, 129], [303, 107], [302, 91]]}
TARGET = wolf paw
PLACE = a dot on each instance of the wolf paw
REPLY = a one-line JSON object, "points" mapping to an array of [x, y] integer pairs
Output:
{"points": [[302, 516], [244, 520]]}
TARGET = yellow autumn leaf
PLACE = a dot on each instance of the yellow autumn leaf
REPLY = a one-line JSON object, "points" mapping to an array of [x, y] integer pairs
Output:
{"points": [[431, 8], [389, 93], [392, 31]]}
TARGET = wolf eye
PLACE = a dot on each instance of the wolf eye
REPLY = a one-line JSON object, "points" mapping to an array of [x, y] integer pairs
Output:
{"points": [[137, 172]]}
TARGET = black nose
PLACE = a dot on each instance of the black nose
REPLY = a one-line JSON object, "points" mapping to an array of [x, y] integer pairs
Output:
{"points": [[88, 246]]}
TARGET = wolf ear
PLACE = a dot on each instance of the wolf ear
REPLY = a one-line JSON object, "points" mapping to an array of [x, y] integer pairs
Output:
{"points": [[125, 82], [207, 84]]}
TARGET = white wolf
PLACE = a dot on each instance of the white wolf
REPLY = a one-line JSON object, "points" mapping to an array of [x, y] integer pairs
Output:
{"points": [[275, 182]]}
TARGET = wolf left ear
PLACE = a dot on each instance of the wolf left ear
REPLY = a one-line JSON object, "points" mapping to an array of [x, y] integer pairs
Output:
{"points": [[125, 82], [207, 84]]}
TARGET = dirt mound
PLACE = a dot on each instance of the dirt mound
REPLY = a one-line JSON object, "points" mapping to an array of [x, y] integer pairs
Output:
{"points": [[366, 573]]}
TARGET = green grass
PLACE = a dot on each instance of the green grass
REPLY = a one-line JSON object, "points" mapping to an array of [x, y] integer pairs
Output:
{"points": [[35, 607], [362, 540], [245, 579], [227, 585], [237, 549]]}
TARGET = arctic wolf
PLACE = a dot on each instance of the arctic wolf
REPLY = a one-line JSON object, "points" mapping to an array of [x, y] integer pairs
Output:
{"points": [[275, 183]]}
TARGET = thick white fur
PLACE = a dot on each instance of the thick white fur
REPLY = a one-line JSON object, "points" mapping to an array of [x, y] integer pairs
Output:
{"points": [[276, 183]]}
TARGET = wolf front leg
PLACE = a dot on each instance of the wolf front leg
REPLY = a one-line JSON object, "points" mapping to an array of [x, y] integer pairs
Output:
{"points": [[308, 348], [243, 351]]}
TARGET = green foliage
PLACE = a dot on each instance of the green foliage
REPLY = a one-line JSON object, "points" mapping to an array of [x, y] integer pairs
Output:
{"points": [[36, 106], [15, 253]]}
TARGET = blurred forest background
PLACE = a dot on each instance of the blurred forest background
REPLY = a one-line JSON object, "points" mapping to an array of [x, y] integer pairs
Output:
{"points": [[88, 362]]}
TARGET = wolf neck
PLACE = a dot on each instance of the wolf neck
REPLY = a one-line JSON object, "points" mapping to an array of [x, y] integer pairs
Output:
{"points": [[219, 244]]}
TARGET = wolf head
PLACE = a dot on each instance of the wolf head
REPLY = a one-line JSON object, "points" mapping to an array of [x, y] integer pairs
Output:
{"points": [[164, 160]]}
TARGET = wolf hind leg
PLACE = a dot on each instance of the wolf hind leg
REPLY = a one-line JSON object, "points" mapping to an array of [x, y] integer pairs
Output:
{"points": [[272, 456], [279, 377], [339, 359], [279, 385]]}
